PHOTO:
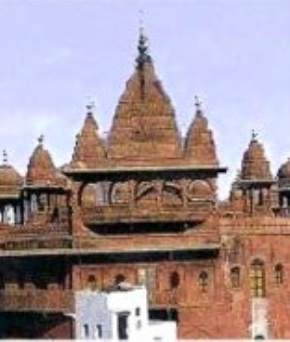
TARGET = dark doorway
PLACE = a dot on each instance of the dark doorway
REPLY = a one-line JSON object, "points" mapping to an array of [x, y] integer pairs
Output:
{"points": [[123, 325]]}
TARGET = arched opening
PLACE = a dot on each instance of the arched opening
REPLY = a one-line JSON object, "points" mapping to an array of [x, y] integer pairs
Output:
{"points": [[174, 280], [235, 277], [9, 215], [203, 281], [92, 283], [257, 279], [2, 283], [199, 189], [259, 337], [171, 194], [120, 278], [279, 274], [33, 204]]}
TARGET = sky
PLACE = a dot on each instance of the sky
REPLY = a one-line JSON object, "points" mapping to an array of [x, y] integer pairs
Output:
{"points": [[57, 54]]}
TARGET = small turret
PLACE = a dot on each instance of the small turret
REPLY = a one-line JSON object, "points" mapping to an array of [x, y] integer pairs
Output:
{"points": [[255, 166], [254, 190], [41, 170], [199, 148], [89, 151]]}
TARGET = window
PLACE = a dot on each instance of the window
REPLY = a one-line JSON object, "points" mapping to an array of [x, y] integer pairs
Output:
{"points": [[86, 330], [174, 280], [92, 282], [279, 274], [142, 276], [137, 311], [122, 323], [138, 324], [203, 281], [99, 331], [235, 277], [257, 278]]}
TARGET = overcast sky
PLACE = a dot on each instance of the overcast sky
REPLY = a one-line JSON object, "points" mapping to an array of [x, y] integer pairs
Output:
{"points": [[234, 54]]}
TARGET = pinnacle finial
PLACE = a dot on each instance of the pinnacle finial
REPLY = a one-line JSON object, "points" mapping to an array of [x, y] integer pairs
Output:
{"points": [[90, 105], [143, 55], [254, 135], [198, 102], [141, 21], [40, 140], [5, 157]]}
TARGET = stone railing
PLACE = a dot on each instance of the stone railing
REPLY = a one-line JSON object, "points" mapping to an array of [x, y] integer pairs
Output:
{"points": [[37, 300]]}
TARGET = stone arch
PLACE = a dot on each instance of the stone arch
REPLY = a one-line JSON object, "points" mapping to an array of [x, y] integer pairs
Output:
{"points": [[235, 276], [172, 194], [119, 278], [120, 193], [258, 278], [146, 192], [92, 282], [92, 194], [203, 279], [174, 280], [279, 274], [199, 189]]}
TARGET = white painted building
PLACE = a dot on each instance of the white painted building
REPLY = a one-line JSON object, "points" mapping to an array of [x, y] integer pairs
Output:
{"points": [[260, 325], [119, 314]]}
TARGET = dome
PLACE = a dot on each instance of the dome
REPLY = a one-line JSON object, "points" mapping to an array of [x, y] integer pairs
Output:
{"points": [[284, 170], [10, 179]]}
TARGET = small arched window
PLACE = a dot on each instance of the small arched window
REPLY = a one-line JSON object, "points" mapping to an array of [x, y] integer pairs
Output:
{"points": [[33, 203], [279, 274], [235, 277], [92, 282], [203, 281], [174, 280], [257, 278], [120, 278]]}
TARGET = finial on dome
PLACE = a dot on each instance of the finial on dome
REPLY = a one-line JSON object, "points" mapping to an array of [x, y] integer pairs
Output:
{"points": [[141, 20], [143, 56], [90, 107], [254, 135], [198, 104], [5, 157], [40, 140]]}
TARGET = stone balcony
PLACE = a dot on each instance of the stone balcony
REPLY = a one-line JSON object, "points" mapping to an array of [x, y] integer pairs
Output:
{"points": [[36, 300], [124, 214]]}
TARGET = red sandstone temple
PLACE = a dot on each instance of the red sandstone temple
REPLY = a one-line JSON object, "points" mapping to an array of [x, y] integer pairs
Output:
{"points": [[142, 206]]}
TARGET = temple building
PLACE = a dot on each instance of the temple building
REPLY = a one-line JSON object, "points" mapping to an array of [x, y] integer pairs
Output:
{"points": [[141, 206]]}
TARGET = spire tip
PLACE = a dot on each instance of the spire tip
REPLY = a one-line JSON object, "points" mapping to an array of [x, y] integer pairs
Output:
{"points": [[5, 157], [40, 140]]}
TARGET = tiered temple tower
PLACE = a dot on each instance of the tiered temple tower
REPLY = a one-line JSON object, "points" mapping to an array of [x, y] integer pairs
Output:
{"points": [[253, 191], [141, 206]]}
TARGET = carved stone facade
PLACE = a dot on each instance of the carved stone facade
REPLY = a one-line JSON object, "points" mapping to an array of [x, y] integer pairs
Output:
{"points": [[142, 206]]}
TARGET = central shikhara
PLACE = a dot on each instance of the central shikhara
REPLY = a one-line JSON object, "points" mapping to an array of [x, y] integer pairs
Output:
{"points": [[141, 206]]}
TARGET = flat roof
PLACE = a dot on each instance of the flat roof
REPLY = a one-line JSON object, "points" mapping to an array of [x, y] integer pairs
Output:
{"points": [[126, 169]]}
